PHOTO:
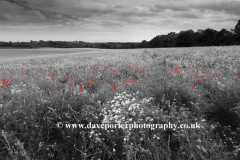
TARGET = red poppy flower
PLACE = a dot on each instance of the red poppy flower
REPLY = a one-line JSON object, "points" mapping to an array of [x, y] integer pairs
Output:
{"points": [[13, 75], [72, 88], [129, 80], [198, 80], [143, 70], [124, 80], [25, 73], [132, 84], [53, 79], [135, 70], [192, 86], [135, 80], [37, 82], [114, 88], [107, 80], [170, 72], [57, 85], [67, 79], [40, 72], [196, 76], [144, 74], [129, 66], [49, 72], [71, 75], [208, 76]]}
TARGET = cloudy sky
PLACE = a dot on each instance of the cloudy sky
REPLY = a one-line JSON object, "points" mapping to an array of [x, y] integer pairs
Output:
{"points": [[111, 20]]}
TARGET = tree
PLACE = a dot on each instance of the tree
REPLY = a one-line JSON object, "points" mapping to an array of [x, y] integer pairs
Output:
{"points": [[185, 38], [143, 44], [237, 27]]}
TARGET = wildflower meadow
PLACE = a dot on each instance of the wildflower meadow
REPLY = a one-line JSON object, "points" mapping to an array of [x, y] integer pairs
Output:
{"points": [[40, 97]]}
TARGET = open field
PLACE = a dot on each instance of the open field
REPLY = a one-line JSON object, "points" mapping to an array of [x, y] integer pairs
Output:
{"points": [[176, 85], [40, 52]]}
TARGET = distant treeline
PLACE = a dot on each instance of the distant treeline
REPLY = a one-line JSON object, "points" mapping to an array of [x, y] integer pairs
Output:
{"points": [[64, 44], [188, 38]]}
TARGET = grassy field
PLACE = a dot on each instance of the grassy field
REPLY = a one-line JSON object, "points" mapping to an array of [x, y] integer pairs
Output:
{"points": [[13, 53], [152, 86]]}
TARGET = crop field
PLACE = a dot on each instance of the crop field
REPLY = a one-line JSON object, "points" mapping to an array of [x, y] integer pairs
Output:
{"points": [[41, 97], [6, 54]]}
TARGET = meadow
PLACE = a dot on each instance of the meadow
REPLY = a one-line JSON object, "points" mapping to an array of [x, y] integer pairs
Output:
{"points": [[152, 86], [12, 53]]}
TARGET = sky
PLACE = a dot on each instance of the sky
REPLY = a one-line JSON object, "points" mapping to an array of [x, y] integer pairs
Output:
{"points": [[111, 20]]}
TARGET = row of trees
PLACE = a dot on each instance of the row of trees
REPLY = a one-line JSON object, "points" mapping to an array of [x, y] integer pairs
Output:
{"points": [[64, 44], [207, 37], [188, 38]]}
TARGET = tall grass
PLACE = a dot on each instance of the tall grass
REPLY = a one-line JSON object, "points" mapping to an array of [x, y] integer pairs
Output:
{"points": [[31, 108]]}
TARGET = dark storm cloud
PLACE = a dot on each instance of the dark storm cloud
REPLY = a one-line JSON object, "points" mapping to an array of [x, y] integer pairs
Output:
{"points": [[230, 7], [61, 11], [136, 16], [188, 14], [16, 12]]}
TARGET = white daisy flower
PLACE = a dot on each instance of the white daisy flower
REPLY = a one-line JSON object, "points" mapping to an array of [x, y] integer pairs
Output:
{"points": [[127, 101], [12, 91], [130, 108], [112, 101]]}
